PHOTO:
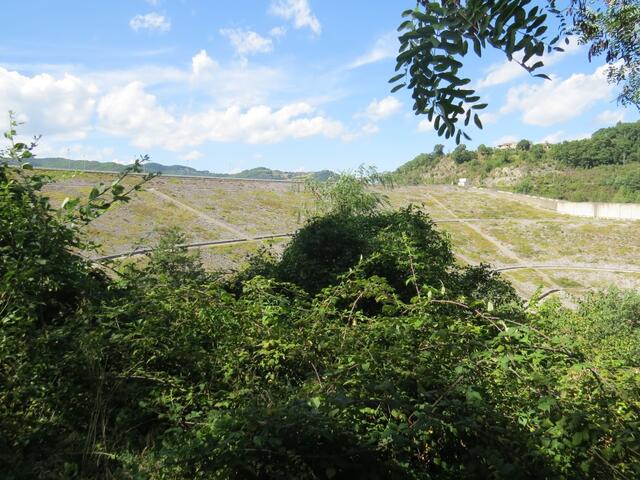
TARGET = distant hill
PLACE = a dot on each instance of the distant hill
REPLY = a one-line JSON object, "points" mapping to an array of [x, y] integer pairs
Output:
{"points": [[264, 173], [602, 168], [259, 173]]}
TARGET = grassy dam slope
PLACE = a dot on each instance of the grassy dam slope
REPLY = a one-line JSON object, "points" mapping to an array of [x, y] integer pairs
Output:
{"points": [[536, 247]]}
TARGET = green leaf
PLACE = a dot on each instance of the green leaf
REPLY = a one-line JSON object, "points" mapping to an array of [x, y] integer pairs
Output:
{"points": [[477, 46], [473, 396], [405, 25], [536, 65]]}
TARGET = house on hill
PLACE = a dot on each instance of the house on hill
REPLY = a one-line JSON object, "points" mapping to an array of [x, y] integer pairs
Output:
{"points": [[507, 146]]}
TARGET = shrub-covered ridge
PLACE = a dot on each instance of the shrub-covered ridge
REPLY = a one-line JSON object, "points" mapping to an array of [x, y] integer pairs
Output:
{"points": [[602, 168]]}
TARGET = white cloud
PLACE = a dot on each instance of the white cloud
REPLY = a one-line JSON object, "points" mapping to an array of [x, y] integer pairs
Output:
{"points": [[381, 109], [501, 73], [153, 3], [505, 139], [561, 136], [192, 155], [558, 100], [489, 118], [134, 113], [147, 74], [609, 117], [235, 105], [297, 11], [364, 131], [506, 71], [150, 21], [246, 42], [277, 32], [52, 106], [202, 64], [385, 47], [425, 125], [370, 129], [376, 111], [239, 84]]}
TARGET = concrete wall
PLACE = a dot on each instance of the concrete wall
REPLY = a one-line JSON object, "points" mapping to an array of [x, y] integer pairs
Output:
{"points": [[616, 211], [622, 211]]}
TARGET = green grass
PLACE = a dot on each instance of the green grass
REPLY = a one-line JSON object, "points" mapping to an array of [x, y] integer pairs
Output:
{"points": [[526, 281], [472, 204], [573, 241], [142, 221], [474, 246]]}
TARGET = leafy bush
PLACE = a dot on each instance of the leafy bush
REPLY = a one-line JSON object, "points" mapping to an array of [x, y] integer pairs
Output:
{"points": [[329, 246], [614, 145], [605, 183], [390, 363], [460, 154], [346, 194]]}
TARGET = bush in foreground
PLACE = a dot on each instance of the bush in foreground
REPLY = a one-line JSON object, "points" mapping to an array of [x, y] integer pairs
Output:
{"points": [[390, 363]]}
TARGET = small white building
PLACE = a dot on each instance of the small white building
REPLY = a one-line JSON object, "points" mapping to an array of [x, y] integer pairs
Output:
{"points": [[507, 146], [463, 182]]}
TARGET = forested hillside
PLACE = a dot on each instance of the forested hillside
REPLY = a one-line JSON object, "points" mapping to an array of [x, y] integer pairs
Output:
{"points": [[604, 167]]}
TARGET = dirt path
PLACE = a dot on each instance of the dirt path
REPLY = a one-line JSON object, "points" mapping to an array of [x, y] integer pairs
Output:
{"points": [[208, 218], [502, 248], [569, 266]]}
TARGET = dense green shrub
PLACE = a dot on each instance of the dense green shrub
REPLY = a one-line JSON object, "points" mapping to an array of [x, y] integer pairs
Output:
{"points": [[411, 172], [460, 154], [329, 246], [614, 145], [604, 183], [390, 363]]}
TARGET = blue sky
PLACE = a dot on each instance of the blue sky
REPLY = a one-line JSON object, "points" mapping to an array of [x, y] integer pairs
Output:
{"points": [[290, 84]]}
